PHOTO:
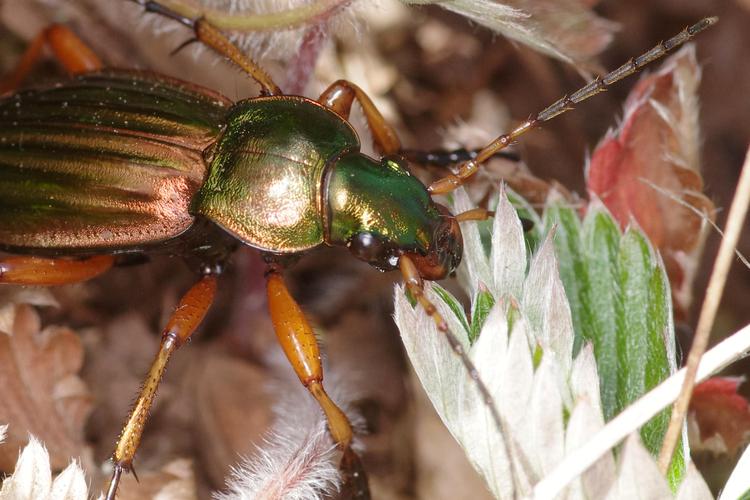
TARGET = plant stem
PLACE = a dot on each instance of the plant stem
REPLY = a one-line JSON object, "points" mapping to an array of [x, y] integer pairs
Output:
{"points": [[735, 221], [634, 416], [308, 13]]}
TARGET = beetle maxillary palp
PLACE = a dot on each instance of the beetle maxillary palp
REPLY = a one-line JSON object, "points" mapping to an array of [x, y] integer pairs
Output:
{"points": [[477, 214], [443, 255]]}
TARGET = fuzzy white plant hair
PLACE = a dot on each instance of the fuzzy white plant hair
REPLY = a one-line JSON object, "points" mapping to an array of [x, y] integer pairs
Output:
{"points": [[297, 460], [32, 477], [526, 362], [3, 432], [277, 43], [286, 468]]}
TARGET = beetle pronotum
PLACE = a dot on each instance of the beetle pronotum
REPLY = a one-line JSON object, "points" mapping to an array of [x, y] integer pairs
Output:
{"points": [[134, 162]]}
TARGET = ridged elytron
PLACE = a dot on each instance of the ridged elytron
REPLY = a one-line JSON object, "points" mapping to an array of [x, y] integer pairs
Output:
{"points": [[108, 162]]}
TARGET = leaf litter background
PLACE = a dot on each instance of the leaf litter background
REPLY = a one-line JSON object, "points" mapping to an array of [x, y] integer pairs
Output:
{"points": [[426, 67]]}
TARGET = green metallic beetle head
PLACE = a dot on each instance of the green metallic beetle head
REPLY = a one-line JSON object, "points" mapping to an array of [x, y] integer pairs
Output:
{"points": [[444, 254], [380, 212]]}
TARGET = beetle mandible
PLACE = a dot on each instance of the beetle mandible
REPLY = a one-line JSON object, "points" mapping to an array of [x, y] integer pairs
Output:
{"points": [[114, 162]]}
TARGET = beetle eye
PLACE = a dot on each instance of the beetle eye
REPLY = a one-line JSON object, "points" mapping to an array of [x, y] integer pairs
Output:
{"points": [[367, 247]]}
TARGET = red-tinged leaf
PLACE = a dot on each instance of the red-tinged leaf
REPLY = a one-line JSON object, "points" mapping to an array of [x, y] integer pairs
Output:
{"points": [[721, 416], [648, 169]]}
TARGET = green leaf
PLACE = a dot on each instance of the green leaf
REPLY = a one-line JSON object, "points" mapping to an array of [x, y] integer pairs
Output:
{"points": [[571, 263], [620, 299], [620, 302], [599, 325], [454, 306], [483, 303], [632, 281]]}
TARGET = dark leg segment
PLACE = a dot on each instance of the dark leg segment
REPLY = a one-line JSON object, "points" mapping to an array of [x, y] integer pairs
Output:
{"points": [[74, 55], [445, 158], [301, 348], [340, 95], [40, 271], [187, 316]]}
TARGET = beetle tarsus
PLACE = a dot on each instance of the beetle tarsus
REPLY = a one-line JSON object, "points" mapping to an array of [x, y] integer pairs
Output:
{"points": [[354, 484], [114, 483], [163, 10], [212, 37]]}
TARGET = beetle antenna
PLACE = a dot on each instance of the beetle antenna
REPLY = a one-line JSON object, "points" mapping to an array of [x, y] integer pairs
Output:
{"points": [[566, 103], [414, 283]]}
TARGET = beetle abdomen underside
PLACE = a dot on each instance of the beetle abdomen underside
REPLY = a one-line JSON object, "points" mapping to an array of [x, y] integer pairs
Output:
{"points": [[103, 161], [265, 181]]}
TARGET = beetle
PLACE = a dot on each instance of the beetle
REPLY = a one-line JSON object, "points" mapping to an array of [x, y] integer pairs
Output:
{"points": [[115, 162]]}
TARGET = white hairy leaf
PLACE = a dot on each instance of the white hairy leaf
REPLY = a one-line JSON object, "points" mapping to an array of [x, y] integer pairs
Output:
{"points": [[566, 29], [32, 478], [549, 402], [739, 482]]}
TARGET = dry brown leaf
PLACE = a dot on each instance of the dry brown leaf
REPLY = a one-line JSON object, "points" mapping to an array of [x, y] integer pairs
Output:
{"points": [[41, 392], [12, 295], [232, 411], [118, 359]]}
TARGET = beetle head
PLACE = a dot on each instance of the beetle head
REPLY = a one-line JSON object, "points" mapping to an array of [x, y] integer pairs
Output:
{"points": [[378, 210], [444, 252]]}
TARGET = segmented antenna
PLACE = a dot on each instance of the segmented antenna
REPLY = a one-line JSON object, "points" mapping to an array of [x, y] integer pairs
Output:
{"points": [[599, 84]]}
